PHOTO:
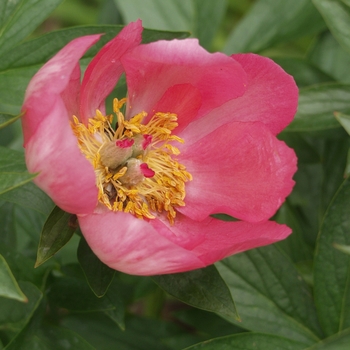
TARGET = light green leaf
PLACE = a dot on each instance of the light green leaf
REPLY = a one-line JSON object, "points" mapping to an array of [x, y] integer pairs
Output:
{"points": [[203, 288], [248, 341], [270, 295], [12, 170], [8, 285], [332, 268], [317, 105], [7, 119], [18, 18], [19, 64], [329, 56], [336, 13], [343, 248], [270, 22], [57, 231], [98, 275]]}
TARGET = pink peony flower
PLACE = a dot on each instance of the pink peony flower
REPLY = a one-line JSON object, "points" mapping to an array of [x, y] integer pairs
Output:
{"points": [[198, 137]]}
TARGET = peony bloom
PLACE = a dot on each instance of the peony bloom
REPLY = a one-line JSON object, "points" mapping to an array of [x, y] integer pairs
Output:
{"points": [[195, 136]]}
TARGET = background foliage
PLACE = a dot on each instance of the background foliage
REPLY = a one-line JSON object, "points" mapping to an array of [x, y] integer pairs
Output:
{"points": [[292, 295]]}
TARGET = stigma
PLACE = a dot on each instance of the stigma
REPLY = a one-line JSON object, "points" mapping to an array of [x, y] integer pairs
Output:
{"points": [[135, 163]]}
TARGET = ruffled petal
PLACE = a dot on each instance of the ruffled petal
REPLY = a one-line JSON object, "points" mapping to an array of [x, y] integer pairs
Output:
{"points": [[153, 68], [105, 69], [271, 97], [240, 169], [133, 246], [51, 148], [212, 240]]}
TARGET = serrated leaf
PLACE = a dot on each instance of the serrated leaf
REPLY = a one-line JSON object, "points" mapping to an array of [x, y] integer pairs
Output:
{"points": [[8, 285], [267, 286], [317, 105], [7, 119], [57, 231], [270, 22], [19, 64], [203, 288], [98, 275], [248, 341], [18, 18], [13, 171], [337, 16], [15, 314], [332, 268]]}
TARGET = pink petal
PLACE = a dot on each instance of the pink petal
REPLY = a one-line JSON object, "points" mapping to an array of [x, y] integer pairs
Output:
{"points": [[51, 81], [212, 239], [240, 169], [271, 97], [51, 148], [105, 69], [154, 68], [132, 245]]}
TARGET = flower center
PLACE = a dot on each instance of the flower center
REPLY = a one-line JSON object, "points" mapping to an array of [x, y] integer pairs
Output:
{"points": [[135, 165]]}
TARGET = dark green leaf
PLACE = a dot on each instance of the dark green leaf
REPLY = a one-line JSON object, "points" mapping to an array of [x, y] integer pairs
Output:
{"points": [[7, 119], [332, 268], [270, 22], [266, 286], [344, 120], [337, 16], [19, 64], [248, 341], [18, 18], [98, 275], [317, 105], [8, 285], [304, 72], [12, 170], [8, 231], [30, 196], [203, 288], [340, 341], [57, 231], [15, 314], [329, 56]]}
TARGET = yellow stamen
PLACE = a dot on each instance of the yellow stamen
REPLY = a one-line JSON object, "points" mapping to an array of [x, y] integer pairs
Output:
{"points": [[120, 182]]}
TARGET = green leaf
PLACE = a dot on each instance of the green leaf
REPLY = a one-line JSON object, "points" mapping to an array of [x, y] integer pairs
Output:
{"points": [[340, 341], [12, 170], [8, 285], [267, 286], [331, 58], [344, 120], [98, 275], [19, 65], [248, 341], [15, 314], [317, 105], [343, 248], [18, 18], [270, 22], [30, 196], [57, 231], [336, 13], [304, 72], [332, 268], [198, 16], [8, 231], [203, 288], [7, 119]]}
